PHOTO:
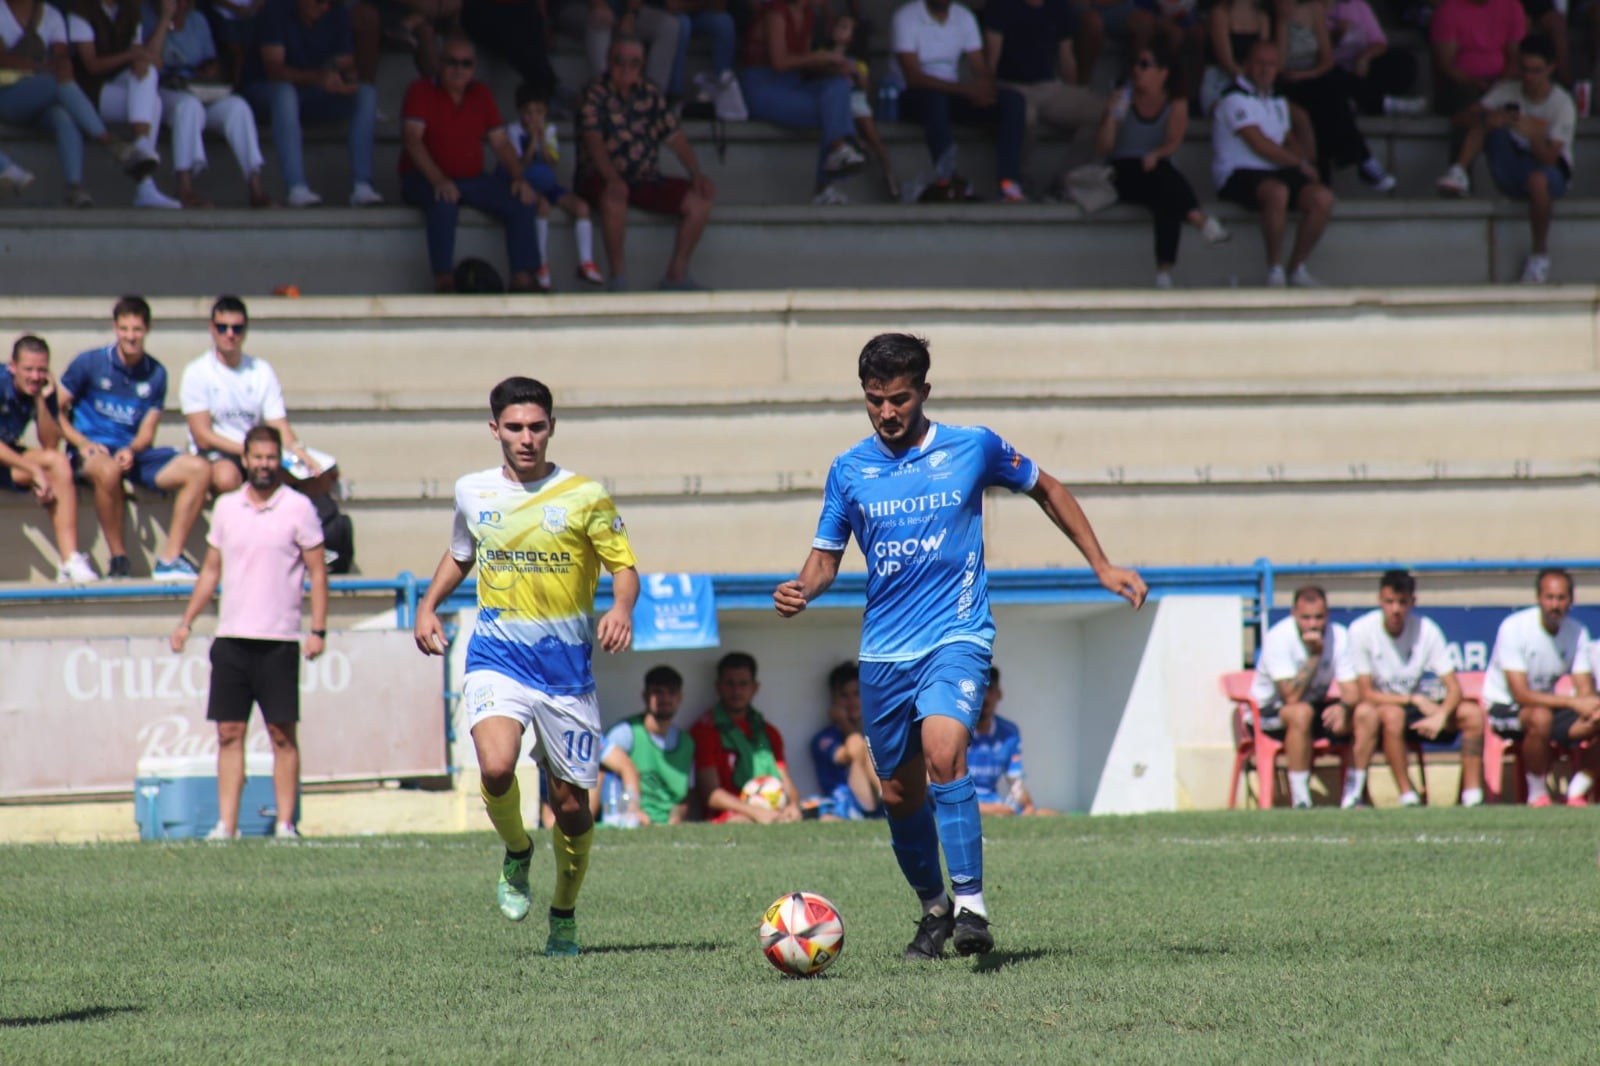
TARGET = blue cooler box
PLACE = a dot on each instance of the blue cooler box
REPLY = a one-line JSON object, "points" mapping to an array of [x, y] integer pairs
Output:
{"points": [[175, 798]]}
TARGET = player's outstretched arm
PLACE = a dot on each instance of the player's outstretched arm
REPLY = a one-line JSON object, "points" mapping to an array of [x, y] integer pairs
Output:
{"points": [[816, 577], [1062, 507], [447, 577], [615, 629]]}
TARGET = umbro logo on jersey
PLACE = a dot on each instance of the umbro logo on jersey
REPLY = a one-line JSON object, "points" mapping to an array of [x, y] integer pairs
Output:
{"points": [[870, 472]]}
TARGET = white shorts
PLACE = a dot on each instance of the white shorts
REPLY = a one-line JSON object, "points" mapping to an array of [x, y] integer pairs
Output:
{"points": [[566, 729]]}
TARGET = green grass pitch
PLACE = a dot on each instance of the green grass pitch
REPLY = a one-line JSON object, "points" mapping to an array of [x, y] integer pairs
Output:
{"points": [[1397, 936]]}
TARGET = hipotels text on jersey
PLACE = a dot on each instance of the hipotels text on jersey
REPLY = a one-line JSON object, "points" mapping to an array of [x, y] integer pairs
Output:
{"points": [[911, 504]]}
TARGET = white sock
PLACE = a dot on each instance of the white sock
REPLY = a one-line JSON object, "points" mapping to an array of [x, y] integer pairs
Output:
{"points": [[939, 906], [1580, 784], [542, 227], [1299, 786], [1355, 782], [1535, 786], [1409, 798], [584, 229], [973, 903], [1471, 797]]}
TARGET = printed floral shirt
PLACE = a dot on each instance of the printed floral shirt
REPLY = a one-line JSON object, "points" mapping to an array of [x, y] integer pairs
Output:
{"points": [[633, 127]]}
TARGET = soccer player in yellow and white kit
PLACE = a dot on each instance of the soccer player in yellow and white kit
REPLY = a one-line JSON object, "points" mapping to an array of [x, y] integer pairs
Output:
{"points": [[539, 535]]}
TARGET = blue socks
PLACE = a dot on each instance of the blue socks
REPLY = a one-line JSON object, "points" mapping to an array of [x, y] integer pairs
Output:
{"points": [[955, 807], [916, 849]]}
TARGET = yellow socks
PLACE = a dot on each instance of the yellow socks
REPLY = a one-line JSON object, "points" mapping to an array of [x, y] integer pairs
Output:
{"points": [[506, 814], [572, 862]]}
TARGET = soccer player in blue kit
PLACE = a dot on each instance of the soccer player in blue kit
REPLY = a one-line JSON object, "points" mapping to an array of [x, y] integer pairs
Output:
{"points": [[912, 495]]}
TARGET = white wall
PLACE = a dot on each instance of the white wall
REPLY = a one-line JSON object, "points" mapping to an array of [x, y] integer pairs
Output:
{"points": [[1108, 700]]}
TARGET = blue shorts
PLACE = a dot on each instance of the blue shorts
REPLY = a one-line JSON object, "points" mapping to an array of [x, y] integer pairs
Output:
{"points": [[948, 681], [1511, 165], [6, 481], [542, 176], [146, 465], [842, 804]]}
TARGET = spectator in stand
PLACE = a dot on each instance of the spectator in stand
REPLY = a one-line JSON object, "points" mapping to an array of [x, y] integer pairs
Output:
{"points": [[189, 56], [702, 18], [224, 392], [839, 754], [234, 24], [1524, 127], [1029, 46], [33, 45], [446, 122], [600, 21], [117, 68], [622, 124], [535, 140], [304, 71], [1179, 26], [1311, 79], [733, 743], [1404, 672], [28, 395], [1533, 650], [1474, 46], [1233, 27], [517, 31], [930, 40], [788, 82], [994, 758], [113, 398], [1376, 77], [849, 39], [652, 758], [1301, 658], [1261, 160], [1142, 128]]}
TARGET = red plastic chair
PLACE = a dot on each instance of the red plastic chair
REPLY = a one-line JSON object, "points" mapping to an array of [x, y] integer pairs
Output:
{"points": [[1495, 747], [1254, 749]]}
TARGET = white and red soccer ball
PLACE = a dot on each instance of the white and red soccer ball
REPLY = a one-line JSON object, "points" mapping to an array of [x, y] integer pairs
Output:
{"points": [[801, 934], [764, 791]]}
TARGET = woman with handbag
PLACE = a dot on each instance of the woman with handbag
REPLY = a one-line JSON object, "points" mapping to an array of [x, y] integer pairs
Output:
{"points": [[1143, 126]]}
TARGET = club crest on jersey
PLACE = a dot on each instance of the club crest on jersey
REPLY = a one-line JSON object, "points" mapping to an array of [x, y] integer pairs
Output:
{"points": [[968, 687], [142, 390], [938, 459], [555, 519], [616, 525]]}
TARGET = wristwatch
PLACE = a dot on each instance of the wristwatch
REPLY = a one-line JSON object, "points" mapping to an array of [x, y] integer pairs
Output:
{"points": [[320, 634]]}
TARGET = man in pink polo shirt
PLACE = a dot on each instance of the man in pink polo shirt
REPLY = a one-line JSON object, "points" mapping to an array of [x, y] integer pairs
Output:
{"points": [[265, 538]]}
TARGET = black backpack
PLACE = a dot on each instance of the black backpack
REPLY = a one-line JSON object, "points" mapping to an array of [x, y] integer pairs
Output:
{"points": [[338, 535]]}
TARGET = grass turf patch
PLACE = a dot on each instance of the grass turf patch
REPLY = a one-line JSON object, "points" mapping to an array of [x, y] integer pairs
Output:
{"points": [[1439, 936]]}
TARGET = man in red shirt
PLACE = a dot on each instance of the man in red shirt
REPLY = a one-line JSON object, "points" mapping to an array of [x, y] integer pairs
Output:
{"points": [[446, 122], [733, 743]]}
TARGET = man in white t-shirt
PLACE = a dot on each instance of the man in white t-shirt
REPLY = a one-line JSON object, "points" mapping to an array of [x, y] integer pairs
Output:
{"points": [[930, 40], [1301, 658], [1263, 158], [225, 392], [1533, 650], [1524, 127], [1404, 672]]}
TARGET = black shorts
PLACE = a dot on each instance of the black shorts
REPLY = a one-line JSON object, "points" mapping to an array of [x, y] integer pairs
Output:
{"points": [[217, 455], [1272, 725], [247, 672], [1504, 720], [1447, 735], [1242, 185]]}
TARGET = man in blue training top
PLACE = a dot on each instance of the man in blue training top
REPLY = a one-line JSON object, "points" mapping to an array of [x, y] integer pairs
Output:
{"points": [[115, 395], [839, 752], [912, 495], [994, 758]]}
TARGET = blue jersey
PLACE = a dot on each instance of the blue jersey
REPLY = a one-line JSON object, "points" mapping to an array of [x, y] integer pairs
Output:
{"points": [[994, 756], [830, 775], [16, 410], [918, 517], [109, 398]]}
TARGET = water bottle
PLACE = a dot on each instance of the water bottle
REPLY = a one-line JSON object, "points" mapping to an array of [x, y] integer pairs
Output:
{"points": [[627, 814], [888, 102], [552, 145], [610, 807]]}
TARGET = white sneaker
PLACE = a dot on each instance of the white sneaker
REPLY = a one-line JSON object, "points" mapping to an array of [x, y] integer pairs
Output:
{"points": [[1276, 278], [1536, 270], [14, 179], [302, 196], [1455, 182], [1214, 231], [76, 570], [1301, 278], [1376, 178], [285, 831], [364, 195], [1405, 106], [1163, 279], [219, 833], [844, 159], [145, 194], [830, 196], [728, 99], [1410, 799]]}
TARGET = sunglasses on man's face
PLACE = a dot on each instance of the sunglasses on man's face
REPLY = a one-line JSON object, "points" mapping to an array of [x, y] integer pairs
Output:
{"points": [[460, 62], [235, 328]]}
